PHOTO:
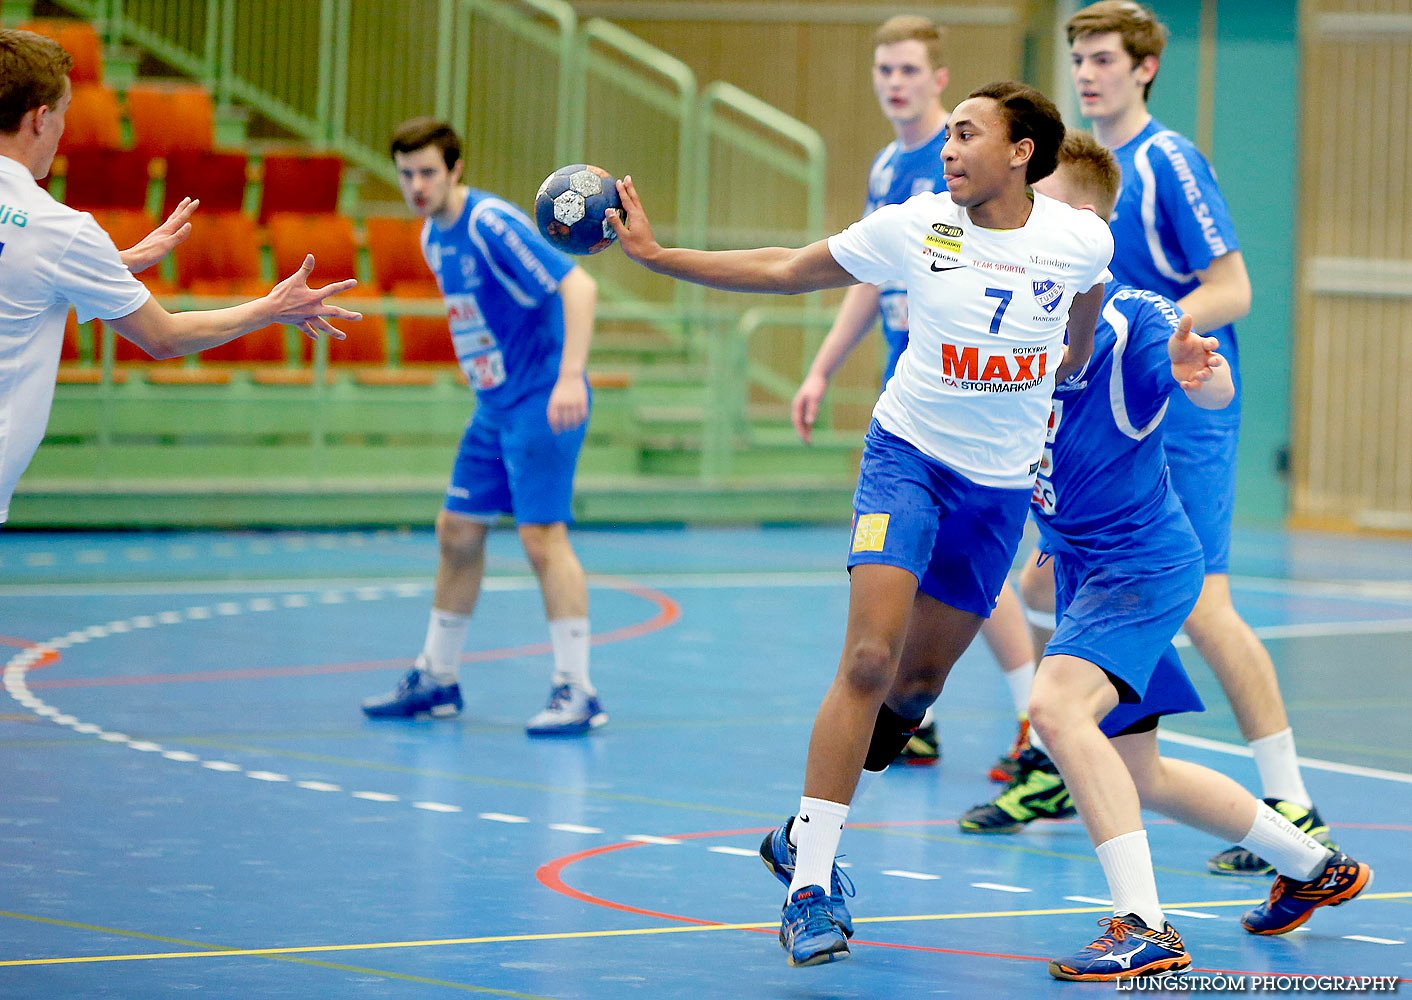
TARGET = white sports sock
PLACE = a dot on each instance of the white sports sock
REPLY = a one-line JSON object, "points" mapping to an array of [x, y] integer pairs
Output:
{"points": [[1021, 679], [928, 718], [1127, 863], [446, 637], [1036, 742], [569, 637], [1279, 768], [817, 829], [1294, 854]]}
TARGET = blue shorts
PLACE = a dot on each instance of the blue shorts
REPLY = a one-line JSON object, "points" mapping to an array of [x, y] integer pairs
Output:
{"points": [[913, 512], [510, 462], [1201, 454], [1121, 615]]}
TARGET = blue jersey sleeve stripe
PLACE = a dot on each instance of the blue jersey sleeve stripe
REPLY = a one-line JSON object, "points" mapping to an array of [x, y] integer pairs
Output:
{"points": [[1148, 182], [1117, 393]]}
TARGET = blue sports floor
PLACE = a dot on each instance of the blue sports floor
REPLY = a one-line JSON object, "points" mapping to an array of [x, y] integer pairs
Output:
{"points": [[191, 801]]}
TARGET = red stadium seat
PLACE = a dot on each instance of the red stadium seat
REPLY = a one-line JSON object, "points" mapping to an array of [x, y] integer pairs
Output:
{"points": [[395, 246], [299, 183], [425, 339], [105, 178], [221, 247], [217, 179]]}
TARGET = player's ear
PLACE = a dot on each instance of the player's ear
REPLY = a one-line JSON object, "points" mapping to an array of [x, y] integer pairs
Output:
{"points": [[1147, 69], [1022, 152], [456, 170], [943, 77]]}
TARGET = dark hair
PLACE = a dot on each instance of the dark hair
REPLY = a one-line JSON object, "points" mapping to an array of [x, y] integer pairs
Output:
{"points": [[32, 73], [1029, 115], [419, 133], [1143, 35]]}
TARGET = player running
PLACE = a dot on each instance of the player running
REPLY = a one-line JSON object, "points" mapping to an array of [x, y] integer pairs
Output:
{"points": [[995, 276]]}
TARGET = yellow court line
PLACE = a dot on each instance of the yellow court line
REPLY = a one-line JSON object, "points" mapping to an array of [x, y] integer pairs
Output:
{"points": [[569, 935]]}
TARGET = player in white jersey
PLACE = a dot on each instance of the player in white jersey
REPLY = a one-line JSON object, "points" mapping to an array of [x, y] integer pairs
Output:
{"points": [[996, 277], [909, 75], [52, 256]]}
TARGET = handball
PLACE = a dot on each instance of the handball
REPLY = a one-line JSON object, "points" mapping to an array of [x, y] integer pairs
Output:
{"points": [[570, 205]]}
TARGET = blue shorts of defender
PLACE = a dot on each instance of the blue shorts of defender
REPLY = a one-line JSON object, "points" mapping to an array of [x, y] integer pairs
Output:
{"points": [[913, 512], [1201, 454], [1121, 615], [511, 462]]}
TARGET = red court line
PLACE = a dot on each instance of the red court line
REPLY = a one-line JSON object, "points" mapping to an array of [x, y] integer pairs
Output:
{"points": [[550, 875], [668, 612]]}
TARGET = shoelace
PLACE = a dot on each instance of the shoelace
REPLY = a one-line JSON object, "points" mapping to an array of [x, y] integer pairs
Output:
{"points": [[559, 697], [845, 884], [1116, 931], [815, 920]]}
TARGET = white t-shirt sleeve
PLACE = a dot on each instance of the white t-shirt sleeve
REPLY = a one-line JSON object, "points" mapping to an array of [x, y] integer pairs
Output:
{"points": [[872, 248], [1101, 244], [92, 276]]}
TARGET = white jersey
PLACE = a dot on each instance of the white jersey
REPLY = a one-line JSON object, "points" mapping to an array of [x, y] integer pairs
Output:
{"points": [[50, 256], [988, 311]]}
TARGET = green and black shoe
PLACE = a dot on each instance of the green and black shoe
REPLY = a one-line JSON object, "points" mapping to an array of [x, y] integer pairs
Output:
{"points": [[923, 749], [1036, 793], [1237, 860]]}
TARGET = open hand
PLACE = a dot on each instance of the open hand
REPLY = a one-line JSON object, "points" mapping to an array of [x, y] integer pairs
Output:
{"points": [[1194, 358], [631, 225], [295, 303], [568, 404], [160, 241]]}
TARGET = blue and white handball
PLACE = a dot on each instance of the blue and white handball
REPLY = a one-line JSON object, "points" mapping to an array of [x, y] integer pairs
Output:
{"points": [[570, 205]]}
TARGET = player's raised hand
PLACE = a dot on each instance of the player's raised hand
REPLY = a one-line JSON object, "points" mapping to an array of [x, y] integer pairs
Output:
{"points": [[160, 241], [1194, 358], [295, 303], [633, 229], [805, 407]]}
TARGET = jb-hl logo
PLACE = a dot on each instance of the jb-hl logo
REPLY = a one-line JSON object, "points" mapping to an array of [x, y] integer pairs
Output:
{"points": [[966, 365], [942, 229]]}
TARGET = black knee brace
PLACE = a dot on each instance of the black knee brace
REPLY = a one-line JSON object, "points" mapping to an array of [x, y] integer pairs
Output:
{"points": [[890, 734]]}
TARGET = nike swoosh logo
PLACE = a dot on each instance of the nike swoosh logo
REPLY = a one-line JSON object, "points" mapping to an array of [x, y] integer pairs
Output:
{"points": [[956, 267]]}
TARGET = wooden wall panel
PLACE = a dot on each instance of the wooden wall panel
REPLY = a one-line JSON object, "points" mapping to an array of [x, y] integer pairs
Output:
{"points": [[1353, 447]]}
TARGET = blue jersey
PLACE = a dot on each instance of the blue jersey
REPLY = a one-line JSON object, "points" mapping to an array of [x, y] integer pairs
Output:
{"points": [[1103, 486], [896, 175], [501, 283], [1171, 221]]}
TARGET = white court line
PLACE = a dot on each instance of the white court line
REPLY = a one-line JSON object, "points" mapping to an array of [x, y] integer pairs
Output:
{"points": [[1371, 940], [918, 876], [574, 828], [1236, 750], [998, 887]]}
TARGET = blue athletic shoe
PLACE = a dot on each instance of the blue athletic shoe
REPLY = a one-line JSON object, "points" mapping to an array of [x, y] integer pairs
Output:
{"points": [[571, 711], [418, 693], [778, 855], [1126, 949], [1291, 903], [809, 932]]}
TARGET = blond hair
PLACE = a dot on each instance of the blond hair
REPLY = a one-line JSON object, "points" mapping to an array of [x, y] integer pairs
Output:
{"points": [[1143, 35], [32, 73], [1091, 168], [911, 28]]}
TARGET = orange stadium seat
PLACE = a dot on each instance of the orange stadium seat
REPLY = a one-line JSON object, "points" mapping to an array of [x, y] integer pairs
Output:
{"points": [[168, 118], [80, 40], [222, 247], [93, 120], [217, 179], [395, 246], [300, 183], [105, 178], [425, 339], [330, 239]]}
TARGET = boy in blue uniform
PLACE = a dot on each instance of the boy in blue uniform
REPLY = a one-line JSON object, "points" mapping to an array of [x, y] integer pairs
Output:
{"points": [[1128, 569], [909, 75], [521, 317], [1172, 234]]}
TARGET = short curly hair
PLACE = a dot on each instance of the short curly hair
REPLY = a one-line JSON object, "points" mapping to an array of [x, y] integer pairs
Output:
{"points": [[33, 69], [1029, 115]]}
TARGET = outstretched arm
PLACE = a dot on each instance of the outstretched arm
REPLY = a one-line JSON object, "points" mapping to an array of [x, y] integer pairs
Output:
{"points": [[1199, 370], [769, 269], [1223, 295], [170, 335], [160, 241], [855, 318]]}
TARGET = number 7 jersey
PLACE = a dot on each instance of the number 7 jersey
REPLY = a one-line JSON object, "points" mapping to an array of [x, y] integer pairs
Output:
{"points": [[988, 310]]}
